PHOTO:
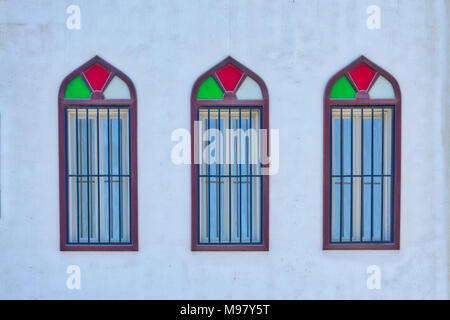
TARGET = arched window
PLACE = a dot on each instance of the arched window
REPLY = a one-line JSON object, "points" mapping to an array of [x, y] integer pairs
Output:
{"points": [[97, 159], [362, 159], [230, 192]]}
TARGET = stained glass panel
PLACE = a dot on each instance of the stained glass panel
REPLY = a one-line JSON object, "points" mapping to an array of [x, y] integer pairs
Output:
{"points": [[362, 76], [342, 89], [117, 89], [77, 89], [209, 89], [382, 89], [96, 76], [249, 89], [229, 76]]}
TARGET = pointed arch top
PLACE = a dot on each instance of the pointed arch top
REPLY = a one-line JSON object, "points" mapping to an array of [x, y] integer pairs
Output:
{"points": [[97, 80], [362, 81], [229, 81]]}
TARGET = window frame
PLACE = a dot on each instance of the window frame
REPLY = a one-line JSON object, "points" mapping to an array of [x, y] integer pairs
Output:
{"points": [[229, 99], [361, 98], [97, 99]]}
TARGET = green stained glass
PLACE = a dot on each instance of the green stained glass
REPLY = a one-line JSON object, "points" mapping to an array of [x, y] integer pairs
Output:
{"points": [[209, 89], [342, 89], [77, 89]]}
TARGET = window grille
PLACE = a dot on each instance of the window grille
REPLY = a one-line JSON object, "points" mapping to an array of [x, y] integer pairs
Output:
{"points": [[362, 144], [98, 179], [230, 184]]}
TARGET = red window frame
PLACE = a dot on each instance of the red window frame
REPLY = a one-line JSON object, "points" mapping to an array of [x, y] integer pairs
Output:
{"points": [[229, 99], [362, 98], [97, 99]]}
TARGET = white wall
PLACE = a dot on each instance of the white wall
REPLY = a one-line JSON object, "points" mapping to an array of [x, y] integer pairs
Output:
{"points": [[163, 46]]}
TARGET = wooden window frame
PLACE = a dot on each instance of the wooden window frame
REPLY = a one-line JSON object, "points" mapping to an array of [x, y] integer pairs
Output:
{"points": [[97, 99], [229, 99], [362, 98]]}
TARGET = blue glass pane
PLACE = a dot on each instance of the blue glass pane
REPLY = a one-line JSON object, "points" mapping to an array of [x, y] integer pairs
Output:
{"points": [[235, 215], [115, 210], [347, 145], [214, 148], [114, 137], [367, 153], [367, 209], [84, 202], [235, 147], [377, 146], [106, 210], [346, 197], [244, 147], [245, 208], [337, 146], [106, 149], [377, 208]]}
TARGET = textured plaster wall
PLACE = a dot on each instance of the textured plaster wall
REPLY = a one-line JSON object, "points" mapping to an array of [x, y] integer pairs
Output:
{"points": [[446, 138], [295, 46]]}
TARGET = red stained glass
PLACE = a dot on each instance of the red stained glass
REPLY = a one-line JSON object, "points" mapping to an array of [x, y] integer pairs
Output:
{"points": [[362, 76], [229, 76], [96, 76]]}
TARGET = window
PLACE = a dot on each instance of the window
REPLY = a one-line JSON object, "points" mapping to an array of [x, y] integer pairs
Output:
{"points": [[362, 159], [98, 165], [229, 107]]}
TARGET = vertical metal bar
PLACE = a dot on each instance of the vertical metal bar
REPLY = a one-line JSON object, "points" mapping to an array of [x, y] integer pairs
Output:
{"points": [[219, 178], [341, 211], [362, 174], [78, 177], [109, 179], [240, 180], [382, 171], [98, 177], [88, 175], [229, 174], [351, 174], [371, 182], [209, 180], [251, 178], [119, 153]]}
